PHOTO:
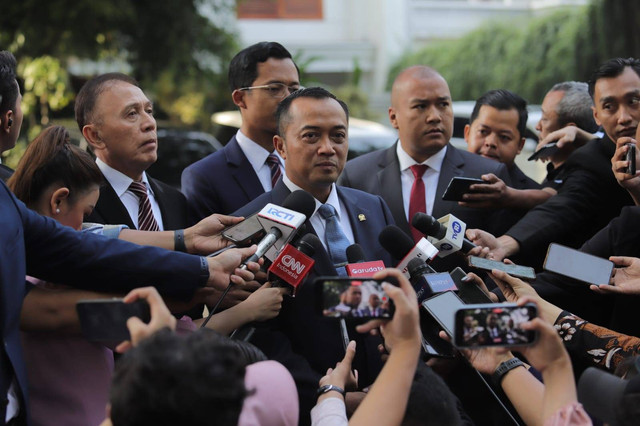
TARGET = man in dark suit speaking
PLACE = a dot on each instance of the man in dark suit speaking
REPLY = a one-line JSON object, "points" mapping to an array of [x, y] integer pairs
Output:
{"points": [[260, 76], [313, 141]]}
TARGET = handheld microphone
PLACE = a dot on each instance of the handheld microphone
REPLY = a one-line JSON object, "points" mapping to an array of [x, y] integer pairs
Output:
{"points": [[293, 264], [357, 266], [446, 233], [426, 282], [401, 246]]}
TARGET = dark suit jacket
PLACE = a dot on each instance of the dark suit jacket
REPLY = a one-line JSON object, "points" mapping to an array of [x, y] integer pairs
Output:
{"points": [[587, 200], [41, 247], [173, 207], [521, 181], [221, 182], [310, 336], [5, 172]]}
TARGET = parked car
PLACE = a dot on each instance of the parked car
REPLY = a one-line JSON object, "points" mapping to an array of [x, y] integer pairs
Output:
{"points": [[179, 148]]}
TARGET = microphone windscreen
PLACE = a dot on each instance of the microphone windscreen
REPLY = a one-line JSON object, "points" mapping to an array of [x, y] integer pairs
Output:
{"points": [[300, 201], [428, 225], [308, 244], [355, 254], [416, 267], [395, 241]]}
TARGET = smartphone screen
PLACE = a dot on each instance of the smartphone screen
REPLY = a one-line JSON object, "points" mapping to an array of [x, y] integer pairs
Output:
{"points": [[515, 270], [459, 186], [361, 298], [105, 320], [245, 232], [493, 325], [575, 264], [442, 308]]}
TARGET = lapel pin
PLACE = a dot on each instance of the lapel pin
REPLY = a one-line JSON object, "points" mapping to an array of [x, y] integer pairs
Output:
{"points": [[362, 217]]}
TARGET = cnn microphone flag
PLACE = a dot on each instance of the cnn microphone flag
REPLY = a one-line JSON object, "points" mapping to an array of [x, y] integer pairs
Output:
{"points": [[291, 265]]}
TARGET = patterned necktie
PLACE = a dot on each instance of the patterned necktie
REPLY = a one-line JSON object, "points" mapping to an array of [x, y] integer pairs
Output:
{"points": [[417, 202], [337, 242], [146, 221], [274, 164]]}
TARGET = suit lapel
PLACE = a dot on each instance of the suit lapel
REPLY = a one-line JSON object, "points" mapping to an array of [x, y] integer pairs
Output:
{"points": [[242, 171], [391, 186], [451, 167], [110, 209]]}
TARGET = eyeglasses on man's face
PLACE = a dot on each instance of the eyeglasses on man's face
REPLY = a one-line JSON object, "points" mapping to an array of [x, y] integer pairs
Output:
{"points": [[276, 90]]}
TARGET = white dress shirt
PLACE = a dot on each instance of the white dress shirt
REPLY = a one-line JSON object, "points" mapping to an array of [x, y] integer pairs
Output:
{"points": [[317, 221], [430, 177], [257, 156], [120, 184]]}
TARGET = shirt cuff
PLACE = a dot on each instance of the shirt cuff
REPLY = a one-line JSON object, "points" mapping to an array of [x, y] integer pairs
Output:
{"points": [[329, 412]]}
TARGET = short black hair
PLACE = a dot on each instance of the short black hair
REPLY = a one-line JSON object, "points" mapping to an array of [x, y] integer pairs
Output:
{"points": [[282, 112], [88, 95], [169, 380], [430, 398], [243, 69], [575, 105], [502, 100], [612, 68], [8, 81]]}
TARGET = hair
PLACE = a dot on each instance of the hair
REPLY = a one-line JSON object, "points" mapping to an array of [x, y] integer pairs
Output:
{"points": [[282, 113], [8, 81], [88, 95], [169, 379], [431, 402], [243, 69], [503, 100], [575, 105], [612, 68], [52, 159]]}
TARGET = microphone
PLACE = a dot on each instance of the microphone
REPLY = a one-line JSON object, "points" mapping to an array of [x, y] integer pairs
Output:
{"points": [[426, 282], [356, 264], [281, 222], [446, 233], [293, 264], [401, 246]]}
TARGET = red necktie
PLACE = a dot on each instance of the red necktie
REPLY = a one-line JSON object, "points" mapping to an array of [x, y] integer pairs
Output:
{"points": [[146, 221], [417, 202], [274, 165]]}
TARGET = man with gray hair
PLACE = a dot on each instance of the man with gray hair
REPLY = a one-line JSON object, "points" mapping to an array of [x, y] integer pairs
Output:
{"points": [[567, 119]]}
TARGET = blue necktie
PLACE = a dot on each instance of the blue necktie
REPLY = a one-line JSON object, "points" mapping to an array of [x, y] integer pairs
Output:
{"points": [[337, 242]]}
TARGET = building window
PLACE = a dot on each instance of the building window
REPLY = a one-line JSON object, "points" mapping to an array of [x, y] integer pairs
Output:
{"points": [[279, 9]]}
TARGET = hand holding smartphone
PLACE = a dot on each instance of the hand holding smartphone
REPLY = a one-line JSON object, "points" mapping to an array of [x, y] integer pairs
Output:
{"points": [[494, 325], [458, 186], [105, 320], [509, 268]]}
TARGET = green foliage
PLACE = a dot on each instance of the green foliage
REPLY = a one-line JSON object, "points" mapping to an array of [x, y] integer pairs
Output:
{"points": [[529, 55]]}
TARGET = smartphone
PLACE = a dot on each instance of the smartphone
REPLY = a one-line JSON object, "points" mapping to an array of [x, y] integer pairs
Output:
{"points": [[458, 186], [515, 270], [432, 344], [442, 308], [354, 298], [468, 291], [105, 320], [494, 325], [246, 232], [545, 152], [575, 264], [631, 158]]}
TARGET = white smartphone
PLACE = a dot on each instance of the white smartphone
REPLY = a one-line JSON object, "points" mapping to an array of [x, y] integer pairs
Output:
{"points": [[575, 264]]}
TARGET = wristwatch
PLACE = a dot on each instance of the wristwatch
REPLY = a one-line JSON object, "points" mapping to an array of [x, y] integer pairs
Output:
{"points": [[327, 388], [504, 368]]}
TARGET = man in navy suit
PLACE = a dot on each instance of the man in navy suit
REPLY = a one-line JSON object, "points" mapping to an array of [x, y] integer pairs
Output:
{"points": [[260, 76], [312, 139], [116, 119], [10, 111]]}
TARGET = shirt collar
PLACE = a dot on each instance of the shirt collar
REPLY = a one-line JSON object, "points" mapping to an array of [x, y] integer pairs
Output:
{"points": [[333, 199], [434, 162], [118, 180], [256, 154]]}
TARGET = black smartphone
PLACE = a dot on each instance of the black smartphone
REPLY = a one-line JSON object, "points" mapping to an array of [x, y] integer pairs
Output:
{"points": [[105, 320], [354, 298], [631, 158], [468, 291], [575, 264], [511, 269], [545, 152], [442, 308], [246, 232], [458, 186], [494, 325], [432, 344]]}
